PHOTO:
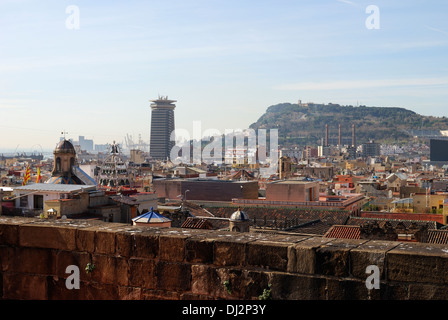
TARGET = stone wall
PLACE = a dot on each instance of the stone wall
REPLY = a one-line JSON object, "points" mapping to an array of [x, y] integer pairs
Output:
{"points": [[133, 262]]}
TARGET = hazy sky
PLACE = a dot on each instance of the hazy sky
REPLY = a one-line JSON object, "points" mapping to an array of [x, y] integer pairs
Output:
{"points": [[224, 62]]}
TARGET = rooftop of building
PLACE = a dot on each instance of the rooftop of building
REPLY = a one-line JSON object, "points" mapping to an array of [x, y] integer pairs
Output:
{"points": [[49, 187], [65, 146], [292, 181]]}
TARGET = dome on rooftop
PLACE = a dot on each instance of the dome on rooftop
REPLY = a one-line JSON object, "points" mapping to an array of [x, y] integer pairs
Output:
{"points": [[65, 146], [239, 216]]}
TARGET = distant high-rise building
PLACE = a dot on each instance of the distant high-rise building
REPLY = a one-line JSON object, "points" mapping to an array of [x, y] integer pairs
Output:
{"points": [[438, 149], [86, 144], [162, 125], [371, 149]]}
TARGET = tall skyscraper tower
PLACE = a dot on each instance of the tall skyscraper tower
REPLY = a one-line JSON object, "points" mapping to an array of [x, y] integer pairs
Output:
{"points": [[162, 124]]}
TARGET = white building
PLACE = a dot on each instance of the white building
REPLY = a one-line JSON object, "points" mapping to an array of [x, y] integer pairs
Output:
{"points": [[32, 197]]}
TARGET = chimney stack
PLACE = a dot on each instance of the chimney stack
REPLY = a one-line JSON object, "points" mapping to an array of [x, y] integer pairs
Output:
{"points": [[326, 135], [340, 137], [353, 136]]}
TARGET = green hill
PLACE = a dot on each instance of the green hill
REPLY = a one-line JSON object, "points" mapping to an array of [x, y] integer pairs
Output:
{"points": [[305, 124]]}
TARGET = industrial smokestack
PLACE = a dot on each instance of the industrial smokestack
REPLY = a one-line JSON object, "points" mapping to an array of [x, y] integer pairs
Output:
{"points": [[340, 136], [353, 136]]}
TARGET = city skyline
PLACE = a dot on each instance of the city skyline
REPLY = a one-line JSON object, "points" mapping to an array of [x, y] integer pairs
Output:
{"points": [[224, 62]]}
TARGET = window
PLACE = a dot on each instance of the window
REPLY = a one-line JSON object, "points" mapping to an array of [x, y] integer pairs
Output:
{"points": [[58, 164], [24, 202]]}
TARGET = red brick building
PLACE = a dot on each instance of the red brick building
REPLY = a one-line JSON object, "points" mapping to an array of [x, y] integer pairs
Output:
{"points": [[292, 190], [205, 189]]}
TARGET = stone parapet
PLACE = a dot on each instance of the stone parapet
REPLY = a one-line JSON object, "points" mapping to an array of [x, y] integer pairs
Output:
{"points": [[137, 262]]}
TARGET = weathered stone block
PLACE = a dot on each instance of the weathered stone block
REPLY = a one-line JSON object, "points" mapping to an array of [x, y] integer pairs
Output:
{"points": [[6, 258], [192, 296], [172, 243], [394, 291], [124, 239], [172, 276], [105, 240], [85, 233], [46, 234], [62, 259], [172, 247], [146, 244], [57, 289], [9, 229], [372, 252], [227, 283], [142, 273], [418, 291], [109, 269], [230, 247], [333, 258], [349, 289], [418, 262], [240, 283], [302, 255], [125, 243], [286, 238], [85, 239], [229, 253], [36, 261], [270, 255], [288, 286], [201, 278], [98, 291], [104, 237], [199, 249], [151, 294], [129, 293], [18, 286]]}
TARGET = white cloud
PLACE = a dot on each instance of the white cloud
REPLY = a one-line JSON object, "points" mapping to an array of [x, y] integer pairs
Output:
{"points": [[437, 30], [348, 2]]}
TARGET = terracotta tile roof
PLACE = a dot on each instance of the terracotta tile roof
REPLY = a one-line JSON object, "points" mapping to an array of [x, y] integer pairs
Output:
{"points": [[394, 222], [196, 223], [344, 232], [298, 220]]}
